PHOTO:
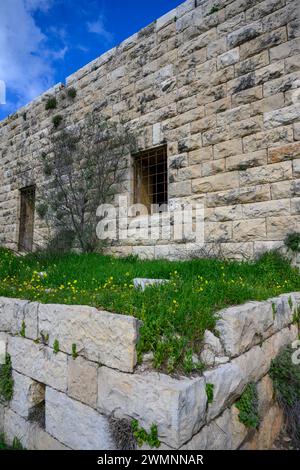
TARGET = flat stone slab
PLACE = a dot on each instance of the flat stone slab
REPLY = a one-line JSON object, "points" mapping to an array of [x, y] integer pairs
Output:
{"points": [[143, 283], [76, 425], [103, 337], [177, 407]]}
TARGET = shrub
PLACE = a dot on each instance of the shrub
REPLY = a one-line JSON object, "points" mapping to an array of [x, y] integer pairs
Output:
{"points": [[72, 93], [57, 120], [248, 407], [286, 381], [51, 103], [292, 242]]}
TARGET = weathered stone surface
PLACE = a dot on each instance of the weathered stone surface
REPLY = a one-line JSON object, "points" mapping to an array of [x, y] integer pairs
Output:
{"points": [[82, 380], [229, 382], [16, 427], [238, 430], [215, 436], [212, 342], [99, 336], [27, 393], [176, 406], [243, 326], [265, 393], [75, 424], [269, 430], [38, 362], [142, 284], [41, 440], [11, 314]]}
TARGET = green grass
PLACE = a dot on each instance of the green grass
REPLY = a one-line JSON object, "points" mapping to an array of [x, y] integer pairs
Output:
{"points": [[174, 315]]}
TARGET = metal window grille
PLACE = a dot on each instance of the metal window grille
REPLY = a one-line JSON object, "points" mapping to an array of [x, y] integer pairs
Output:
{"points": [[27, 218], [151, 177]]}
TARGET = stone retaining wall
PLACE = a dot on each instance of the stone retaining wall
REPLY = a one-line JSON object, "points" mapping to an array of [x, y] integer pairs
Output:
{"points": [[82, 392], [217, 81]]}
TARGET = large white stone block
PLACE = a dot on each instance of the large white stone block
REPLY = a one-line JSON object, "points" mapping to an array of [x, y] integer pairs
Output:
{"points": [[38, 362], [11, 314], [228, 381], [76, 425], [177, 407], [103, 337], [27, 393]]}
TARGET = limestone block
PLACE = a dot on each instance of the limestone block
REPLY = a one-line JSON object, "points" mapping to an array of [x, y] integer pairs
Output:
{"points": [[229, 382], [16, 427], [238, 430], [279, 227], [41, 440], [253, 364], [282, 117], [223, 214], [244, 161], [272, 346], [265, 394], [82, 380], [215, 436], [228, 148], [218, 182], [266, 209], [213, 343], [140, 283], [76, 425], [31, 320], [239, 196], [228, 58], [243, 326], [246, 230], [99, 336], [266, 174], [177, 407], [38, 362], [27, 393], [11, 314], [285, 152], [268, 432]]}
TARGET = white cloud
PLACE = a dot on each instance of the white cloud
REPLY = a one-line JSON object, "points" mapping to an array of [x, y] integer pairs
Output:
{"points": [[26, 64], [98, 27]]}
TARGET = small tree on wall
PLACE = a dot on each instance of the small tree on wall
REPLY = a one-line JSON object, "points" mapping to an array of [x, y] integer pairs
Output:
{"points": [[85, 167]]}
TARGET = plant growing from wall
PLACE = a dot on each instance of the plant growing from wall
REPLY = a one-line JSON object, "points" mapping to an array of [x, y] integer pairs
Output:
{"points": [[143, 437], [247, 405], [51, 103], [23, 329], [56, 120], [292, 242], [285, 374], [56, 346], [6, 380], [210, 392], [72, 93], [85, 168], [74, 351]]}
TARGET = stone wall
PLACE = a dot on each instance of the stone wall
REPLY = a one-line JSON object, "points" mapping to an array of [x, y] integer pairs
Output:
{"points": [[218, 82], [82, 393]]}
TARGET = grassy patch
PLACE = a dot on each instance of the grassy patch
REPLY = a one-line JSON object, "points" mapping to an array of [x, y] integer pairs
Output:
{"points": [[174, 315]]}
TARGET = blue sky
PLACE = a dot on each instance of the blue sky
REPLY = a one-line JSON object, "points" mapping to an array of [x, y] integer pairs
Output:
{"points": [[44, 41]]}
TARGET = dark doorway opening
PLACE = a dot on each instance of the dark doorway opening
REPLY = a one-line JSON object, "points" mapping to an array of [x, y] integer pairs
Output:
{"points": [[27, 218]]}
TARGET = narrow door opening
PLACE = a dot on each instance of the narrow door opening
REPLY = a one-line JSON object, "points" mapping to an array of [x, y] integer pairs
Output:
{"points": [[27, 218]]}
